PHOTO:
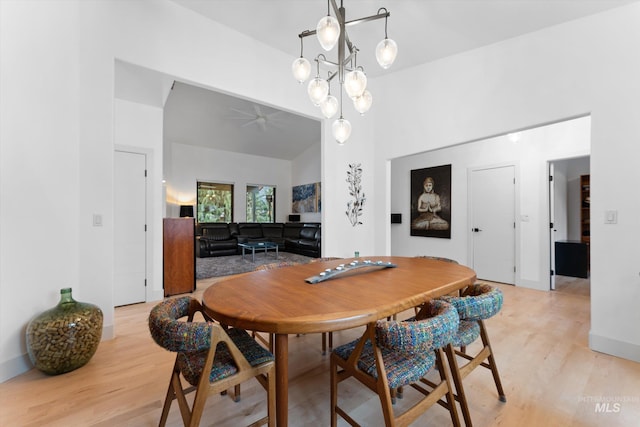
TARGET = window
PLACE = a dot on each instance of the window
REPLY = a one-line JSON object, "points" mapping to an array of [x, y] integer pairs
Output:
{"points": [[215, 202], [261, 202]]}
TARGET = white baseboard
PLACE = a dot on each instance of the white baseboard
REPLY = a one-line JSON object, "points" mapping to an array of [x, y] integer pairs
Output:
{"points": [[108, 332], [14, 367], [155, 295], [625, 350], [21, 364], [532, 284]]}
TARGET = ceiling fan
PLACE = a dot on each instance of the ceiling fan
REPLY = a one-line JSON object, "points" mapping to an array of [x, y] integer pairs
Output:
{"points": [[257, 117]]}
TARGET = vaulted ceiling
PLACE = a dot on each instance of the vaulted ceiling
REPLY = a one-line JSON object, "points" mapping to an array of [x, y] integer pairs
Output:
{"points": [[425, 30]]}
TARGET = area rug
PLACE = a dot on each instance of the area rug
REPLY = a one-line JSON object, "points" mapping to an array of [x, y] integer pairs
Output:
{"points": [[234, 264]]}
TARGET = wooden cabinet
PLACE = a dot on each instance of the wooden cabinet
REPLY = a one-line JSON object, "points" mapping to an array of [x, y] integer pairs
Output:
{"points": [[179, 256], [585, 204]]}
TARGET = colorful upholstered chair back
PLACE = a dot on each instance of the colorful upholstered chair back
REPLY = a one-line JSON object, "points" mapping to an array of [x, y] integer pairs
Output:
{"points": [[435, 331], [438, 258], [479, 301], [170, 333]]}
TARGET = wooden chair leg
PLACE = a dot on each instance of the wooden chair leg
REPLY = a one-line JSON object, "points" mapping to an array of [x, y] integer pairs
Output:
{"points": [[334, 392], [171, 395], [460, 395], [445, 376], [492, 362]]}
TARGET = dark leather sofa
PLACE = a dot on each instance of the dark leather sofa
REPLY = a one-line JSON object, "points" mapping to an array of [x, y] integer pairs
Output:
{"points": [[217, 239]]}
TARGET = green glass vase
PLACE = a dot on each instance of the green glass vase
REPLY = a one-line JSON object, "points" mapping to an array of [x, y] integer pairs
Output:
{"points": [[65, 337]]}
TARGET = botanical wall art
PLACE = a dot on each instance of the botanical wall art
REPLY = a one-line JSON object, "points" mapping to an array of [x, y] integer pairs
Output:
{"points": [[306, 198], [354, 207], [431, 202]]}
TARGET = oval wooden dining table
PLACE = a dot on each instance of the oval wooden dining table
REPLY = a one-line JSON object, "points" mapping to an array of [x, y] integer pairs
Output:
{"points": [[281, 302]]}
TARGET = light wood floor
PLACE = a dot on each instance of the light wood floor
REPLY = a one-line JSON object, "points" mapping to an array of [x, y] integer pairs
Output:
{"points": [[573, 285], [550, 376]]}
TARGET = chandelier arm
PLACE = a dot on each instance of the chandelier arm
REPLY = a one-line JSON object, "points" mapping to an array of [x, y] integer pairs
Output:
{"points": [[341, 43], [338, 10], [366, 19], [333, 64], [385, 21], [307, 33]]}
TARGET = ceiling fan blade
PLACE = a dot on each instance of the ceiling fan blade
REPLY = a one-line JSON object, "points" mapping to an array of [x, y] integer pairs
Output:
{"points": [[249, 123], [243, 112]]}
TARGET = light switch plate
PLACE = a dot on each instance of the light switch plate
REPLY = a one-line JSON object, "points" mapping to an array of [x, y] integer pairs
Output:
{"points": [[97, 220], [610, 217]]}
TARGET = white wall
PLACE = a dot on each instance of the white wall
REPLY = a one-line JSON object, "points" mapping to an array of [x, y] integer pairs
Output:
{"points": [[307, 169], [530, 155], [39, 169], [58, 136], [189, 164], [584, 66]]}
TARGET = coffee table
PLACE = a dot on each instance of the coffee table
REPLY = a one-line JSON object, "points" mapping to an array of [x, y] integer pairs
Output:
{"points": [[258, 245]]}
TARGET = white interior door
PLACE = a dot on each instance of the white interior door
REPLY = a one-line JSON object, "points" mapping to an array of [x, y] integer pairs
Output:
{"points": [[493, 223], [130, 228]]}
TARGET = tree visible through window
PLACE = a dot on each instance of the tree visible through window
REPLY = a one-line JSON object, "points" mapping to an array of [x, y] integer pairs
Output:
{"points": [[215, 202], [261, 202]]}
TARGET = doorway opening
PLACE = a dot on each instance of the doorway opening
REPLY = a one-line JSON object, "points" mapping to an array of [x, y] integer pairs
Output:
{"points": [[569, 221]]}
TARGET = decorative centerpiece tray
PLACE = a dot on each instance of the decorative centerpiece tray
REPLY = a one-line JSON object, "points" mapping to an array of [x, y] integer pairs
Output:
{"points": [[354, 266]]}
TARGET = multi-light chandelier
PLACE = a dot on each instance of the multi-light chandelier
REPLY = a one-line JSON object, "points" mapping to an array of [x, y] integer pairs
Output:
{"points": [[351, 77]]}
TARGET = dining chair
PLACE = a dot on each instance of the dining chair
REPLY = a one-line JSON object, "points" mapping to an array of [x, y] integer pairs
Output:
{"points": [[393, 354], [210, 358], [477, 303]]}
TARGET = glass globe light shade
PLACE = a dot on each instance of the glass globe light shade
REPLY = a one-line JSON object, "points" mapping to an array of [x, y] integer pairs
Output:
{"points": [[386, 53], [328, 32], [318, 90], [301, 69], [341, 130], [363, 102], [329, 106], [355, 82]]}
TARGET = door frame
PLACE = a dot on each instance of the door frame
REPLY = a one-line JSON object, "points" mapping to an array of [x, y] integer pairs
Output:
{"points": [[551, 205], [517, 219], [552, 221], [149, 250]]}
